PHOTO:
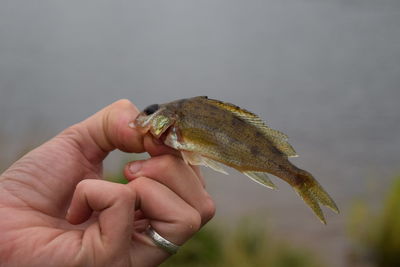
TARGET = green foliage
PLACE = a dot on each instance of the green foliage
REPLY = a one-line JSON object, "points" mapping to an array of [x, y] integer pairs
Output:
{"points": [[387, 246], [118, 176], [120, 180], [377, 237], [204, 249], [248, 245]]}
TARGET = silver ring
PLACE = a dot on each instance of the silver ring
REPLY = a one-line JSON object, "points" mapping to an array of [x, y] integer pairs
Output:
{"points": [[161, 242]]}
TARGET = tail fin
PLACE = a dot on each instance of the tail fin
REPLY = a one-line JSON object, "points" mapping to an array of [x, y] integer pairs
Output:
{"points": [[313, 194]]}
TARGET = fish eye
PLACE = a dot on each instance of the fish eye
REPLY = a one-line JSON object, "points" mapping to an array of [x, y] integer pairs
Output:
{"points": [[151, 109]]}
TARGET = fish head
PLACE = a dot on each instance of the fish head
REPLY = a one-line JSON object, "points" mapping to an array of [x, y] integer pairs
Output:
{"points": [[156, 119]]}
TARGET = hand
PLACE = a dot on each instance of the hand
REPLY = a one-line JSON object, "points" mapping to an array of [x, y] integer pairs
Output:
{"points": [[56, 209]]}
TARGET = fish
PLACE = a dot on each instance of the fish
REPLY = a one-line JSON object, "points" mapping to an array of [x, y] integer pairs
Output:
{"points": [[214, 133]]}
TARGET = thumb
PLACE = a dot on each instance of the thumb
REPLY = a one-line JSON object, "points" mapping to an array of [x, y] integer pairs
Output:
{"points": [[107, 130]]}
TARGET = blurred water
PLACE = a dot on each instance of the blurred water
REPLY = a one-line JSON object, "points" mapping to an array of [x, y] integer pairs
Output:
{"points": [[325, 72]]}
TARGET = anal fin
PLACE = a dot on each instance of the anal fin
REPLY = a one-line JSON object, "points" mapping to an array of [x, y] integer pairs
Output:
{"points": [[261, 178]]}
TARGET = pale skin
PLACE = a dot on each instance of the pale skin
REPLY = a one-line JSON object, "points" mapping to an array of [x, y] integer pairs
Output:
{"points": [[56, 209]]}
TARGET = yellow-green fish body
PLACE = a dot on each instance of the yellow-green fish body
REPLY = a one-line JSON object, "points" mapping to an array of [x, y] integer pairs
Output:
{"points": [[209, 132]]}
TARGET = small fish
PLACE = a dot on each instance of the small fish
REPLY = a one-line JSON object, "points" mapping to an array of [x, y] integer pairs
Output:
{"points": [[210, 132]]}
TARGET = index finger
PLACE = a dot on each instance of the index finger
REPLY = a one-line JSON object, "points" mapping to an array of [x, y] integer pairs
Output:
{"points": [[156, 148]]}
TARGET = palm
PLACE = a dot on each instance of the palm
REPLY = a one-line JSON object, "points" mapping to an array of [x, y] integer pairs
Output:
{"points": [[51, 183]]}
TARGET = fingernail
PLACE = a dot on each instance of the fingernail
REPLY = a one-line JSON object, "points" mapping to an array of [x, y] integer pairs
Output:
{"points": [[135, 166], [132, 124]]}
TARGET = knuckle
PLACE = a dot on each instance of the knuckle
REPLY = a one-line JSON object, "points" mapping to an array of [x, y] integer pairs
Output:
{"points": [[190, 223], [124, 192], [208, 210], [82, 185], [141, 184], [72, 130], [140, 181]]}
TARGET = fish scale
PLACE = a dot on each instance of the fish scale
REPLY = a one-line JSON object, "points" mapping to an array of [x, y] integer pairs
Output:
{"points": [[211, 132]]}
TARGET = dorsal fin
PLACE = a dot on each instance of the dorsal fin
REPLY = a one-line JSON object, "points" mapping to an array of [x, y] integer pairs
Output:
{"points": [[278, 138]]}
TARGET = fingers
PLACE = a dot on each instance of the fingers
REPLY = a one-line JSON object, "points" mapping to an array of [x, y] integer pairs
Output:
{"points": [[115, 232], [116, 204], [169, 214], [173, 201], [179, 177], [171, 217], [107, 130], [155, 148]]}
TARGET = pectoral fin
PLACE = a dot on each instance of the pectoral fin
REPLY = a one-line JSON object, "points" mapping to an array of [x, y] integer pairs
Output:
{"points": [[216, 166], [261, 178], [194, 158]]}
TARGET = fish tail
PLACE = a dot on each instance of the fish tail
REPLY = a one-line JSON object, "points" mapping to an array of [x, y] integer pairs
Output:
{"points": [[313, 194]]}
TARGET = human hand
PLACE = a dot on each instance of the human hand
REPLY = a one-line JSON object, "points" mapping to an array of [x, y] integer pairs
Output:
{"points": [[56, 209]]}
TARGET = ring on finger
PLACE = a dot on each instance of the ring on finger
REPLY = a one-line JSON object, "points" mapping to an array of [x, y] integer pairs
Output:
{"points": [[161, 242]]}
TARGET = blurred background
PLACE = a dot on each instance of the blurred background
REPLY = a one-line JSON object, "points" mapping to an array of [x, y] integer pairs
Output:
{"points": [[326, 72]]}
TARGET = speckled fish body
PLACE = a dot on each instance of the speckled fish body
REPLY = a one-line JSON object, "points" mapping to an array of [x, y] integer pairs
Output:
{"points": [[209, 132]]}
